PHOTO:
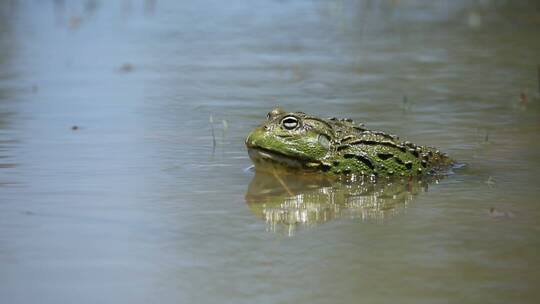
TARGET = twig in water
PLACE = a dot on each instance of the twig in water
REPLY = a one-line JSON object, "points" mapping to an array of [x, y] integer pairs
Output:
{"points": [[225, 128], [539, 77], [406, 104], [282, 183], [211, 120], [363, 18]]}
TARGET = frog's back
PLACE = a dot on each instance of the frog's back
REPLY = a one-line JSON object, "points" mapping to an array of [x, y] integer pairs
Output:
{"points": [[360, 150]]}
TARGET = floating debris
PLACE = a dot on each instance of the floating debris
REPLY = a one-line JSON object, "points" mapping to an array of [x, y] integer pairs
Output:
{"points": [[75, 22], [523, 99], [91, 6], [494, 213], [490, 181], [474, 20], [150, 6], [126, 68]]}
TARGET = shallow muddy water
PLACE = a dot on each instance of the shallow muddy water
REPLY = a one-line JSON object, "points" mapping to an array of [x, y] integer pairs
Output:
{"points": [[124, 176]]}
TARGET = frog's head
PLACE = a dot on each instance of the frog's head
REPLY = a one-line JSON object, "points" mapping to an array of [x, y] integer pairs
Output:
{"points": [[291, 139]]}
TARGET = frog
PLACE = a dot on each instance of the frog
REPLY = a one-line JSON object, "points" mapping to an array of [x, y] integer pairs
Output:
{"points": [[302, 143]]}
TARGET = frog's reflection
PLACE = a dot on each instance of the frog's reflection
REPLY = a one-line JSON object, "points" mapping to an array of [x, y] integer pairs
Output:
{"points": [[290, 201]]}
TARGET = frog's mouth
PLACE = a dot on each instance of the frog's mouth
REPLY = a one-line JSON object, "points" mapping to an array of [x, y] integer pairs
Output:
{"points": [[264, 156]]}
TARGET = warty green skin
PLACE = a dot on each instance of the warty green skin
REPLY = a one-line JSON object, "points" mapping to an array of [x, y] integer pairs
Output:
{"points": [[333, 146]]}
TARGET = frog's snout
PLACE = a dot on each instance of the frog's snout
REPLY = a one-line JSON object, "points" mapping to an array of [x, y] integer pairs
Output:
{"points": [[251, 139]]}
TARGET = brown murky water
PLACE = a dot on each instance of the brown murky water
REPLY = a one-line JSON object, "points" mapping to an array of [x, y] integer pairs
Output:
{"points": [[113, 189]]}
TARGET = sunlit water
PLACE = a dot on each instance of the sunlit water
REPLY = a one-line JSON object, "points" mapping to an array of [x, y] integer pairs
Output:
{"points": [[147, 199]]}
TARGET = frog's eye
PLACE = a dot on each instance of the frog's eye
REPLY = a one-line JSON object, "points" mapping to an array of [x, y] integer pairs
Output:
{"points": [[289, 123]]}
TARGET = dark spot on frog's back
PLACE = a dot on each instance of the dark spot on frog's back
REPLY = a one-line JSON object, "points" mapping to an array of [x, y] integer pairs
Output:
{"points": [[385, 155], [361, 157], [347, 138], [408, 165], [325, 167]]}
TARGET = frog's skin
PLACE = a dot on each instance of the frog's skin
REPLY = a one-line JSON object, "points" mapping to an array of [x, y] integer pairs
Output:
{"points": [[305, 143]]}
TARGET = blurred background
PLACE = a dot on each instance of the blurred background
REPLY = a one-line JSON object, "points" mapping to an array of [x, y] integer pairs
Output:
{"points": [[123, 167]]}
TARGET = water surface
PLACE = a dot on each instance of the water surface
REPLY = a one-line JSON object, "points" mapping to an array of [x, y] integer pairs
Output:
{"points": [[141, 203]]}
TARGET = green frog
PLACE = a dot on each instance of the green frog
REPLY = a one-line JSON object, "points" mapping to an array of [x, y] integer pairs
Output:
{"points": [[337, 147]]}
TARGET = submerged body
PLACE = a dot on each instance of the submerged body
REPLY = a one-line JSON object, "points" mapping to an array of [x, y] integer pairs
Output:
{"points": [[301, 142]]}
